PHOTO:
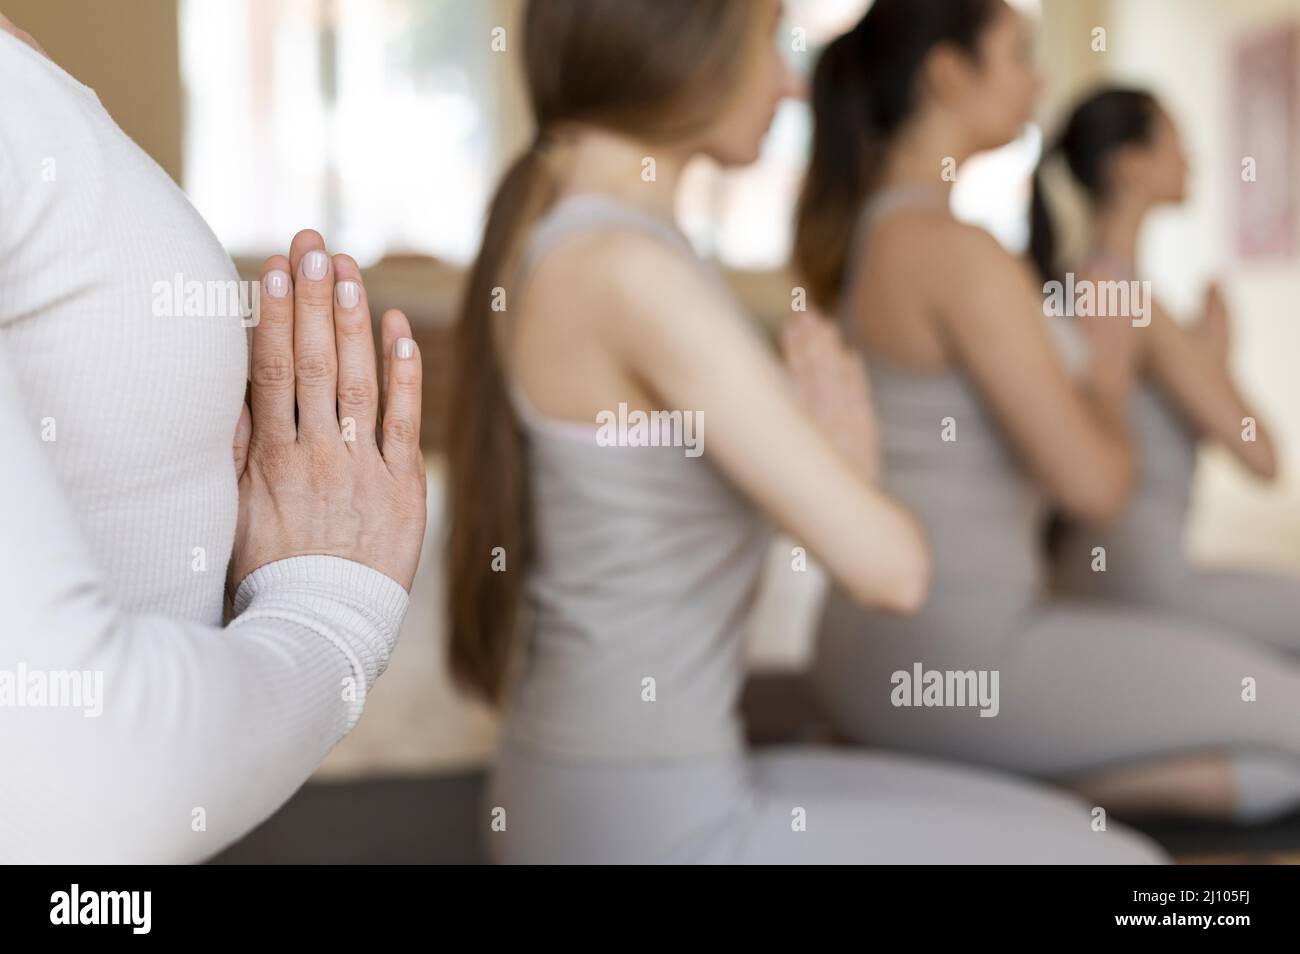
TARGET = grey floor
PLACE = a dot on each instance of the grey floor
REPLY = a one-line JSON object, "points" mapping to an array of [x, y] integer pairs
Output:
{"points": [[435, 819]]}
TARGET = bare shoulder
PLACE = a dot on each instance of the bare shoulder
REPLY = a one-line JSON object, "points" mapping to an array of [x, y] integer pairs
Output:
{"points": [[929, 238], [979, 264], [977, 286], [974, 249], [618, 263], [640, 272], [627, 288]]}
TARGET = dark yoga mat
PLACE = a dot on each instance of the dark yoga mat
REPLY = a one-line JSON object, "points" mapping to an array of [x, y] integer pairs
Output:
{"points": [[434, 819]]}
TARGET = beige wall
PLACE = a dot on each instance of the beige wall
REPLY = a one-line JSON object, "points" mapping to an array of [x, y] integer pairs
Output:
{"points": [[127, 52], [1066, 61]]}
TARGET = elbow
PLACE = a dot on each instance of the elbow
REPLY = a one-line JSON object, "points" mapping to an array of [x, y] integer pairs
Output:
{"points": [[905, 583], [98, 838], [910, 590], [911, 584], [1098, 508], [1103, 499]]}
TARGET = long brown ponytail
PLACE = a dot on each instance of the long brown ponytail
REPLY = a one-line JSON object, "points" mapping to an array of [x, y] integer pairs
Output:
{"points": [[864, 89], [633, 66]]}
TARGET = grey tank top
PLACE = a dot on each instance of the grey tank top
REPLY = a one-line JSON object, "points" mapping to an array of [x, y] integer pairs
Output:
{"points": [[1167, 448], [646, 566], [1165, 442], [1145, 543], [947, 459]]}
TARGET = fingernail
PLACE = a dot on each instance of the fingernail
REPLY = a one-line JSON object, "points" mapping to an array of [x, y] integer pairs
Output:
{"points": [[405, 348], [347, 294], [315, 265], [277, 283]]}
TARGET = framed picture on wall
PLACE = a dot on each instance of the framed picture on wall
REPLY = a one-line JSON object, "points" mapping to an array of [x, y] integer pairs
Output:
{"points": [[1265, 103]]}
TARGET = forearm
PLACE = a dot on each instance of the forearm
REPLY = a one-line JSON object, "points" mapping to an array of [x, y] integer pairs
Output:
{"points": [[144, 738], [196, 734], [1107, 388]]}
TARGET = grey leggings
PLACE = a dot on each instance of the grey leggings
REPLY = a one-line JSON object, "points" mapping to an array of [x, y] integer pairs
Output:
{"points": [[1082, 686], [1147, 568], [854, 807]]}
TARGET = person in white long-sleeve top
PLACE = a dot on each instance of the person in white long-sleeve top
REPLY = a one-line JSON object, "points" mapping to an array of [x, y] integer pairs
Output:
{"points": [[133, 726]]}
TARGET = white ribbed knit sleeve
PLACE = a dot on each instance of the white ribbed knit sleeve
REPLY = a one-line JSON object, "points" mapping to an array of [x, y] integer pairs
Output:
{"points": [[133, 728], [197, 733]]}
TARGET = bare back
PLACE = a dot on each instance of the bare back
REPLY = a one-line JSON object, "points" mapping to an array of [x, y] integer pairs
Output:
{"points": [[932, 295]]}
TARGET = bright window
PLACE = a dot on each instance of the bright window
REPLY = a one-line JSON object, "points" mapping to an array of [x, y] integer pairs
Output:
{"points": [[745, 217], [382, 123], [371, 120]]}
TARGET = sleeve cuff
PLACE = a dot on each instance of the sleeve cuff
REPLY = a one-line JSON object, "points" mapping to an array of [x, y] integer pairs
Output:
{"points": [[386, 595], [358, 609]]}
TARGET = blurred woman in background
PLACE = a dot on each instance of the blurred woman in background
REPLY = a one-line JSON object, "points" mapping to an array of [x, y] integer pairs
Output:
{"points": [[987, 413], [630, 569], [1123, 150]]}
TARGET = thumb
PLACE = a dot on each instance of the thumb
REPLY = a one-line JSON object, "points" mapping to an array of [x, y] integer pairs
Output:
{"points": [[243, 433]]}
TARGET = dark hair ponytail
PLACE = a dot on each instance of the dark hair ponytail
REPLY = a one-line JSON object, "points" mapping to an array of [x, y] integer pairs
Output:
{"points": [[1042, 230], [1100, 125], [863, 90]]}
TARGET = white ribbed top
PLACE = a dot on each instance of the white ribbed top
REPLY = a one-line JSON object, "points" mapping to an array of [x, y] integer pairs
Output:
{"points": [[120, 505]]}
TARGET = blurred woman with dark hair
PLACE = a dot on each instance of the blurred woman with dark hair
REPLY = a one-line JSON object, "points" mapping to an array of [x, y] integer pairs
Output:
{"points": [[628, 566], [1124, 152], [988, 414]]}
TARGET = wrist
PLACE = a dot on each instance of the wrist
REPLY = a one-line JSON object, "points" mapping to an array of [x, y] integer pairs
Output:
{"points": [[353, 606]]}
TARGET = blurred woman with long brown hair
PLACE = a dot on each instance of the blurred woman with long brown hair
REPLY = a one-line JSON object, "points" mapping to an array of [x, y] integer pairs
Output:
{"points": [[988, 413], [599, 578]]}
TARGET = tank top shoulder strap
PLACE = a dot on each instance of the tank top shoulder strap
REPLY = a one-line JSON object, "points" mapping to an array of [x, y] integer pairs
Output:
{"points": [[591, 212], [879, 205], [571, 216]]}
